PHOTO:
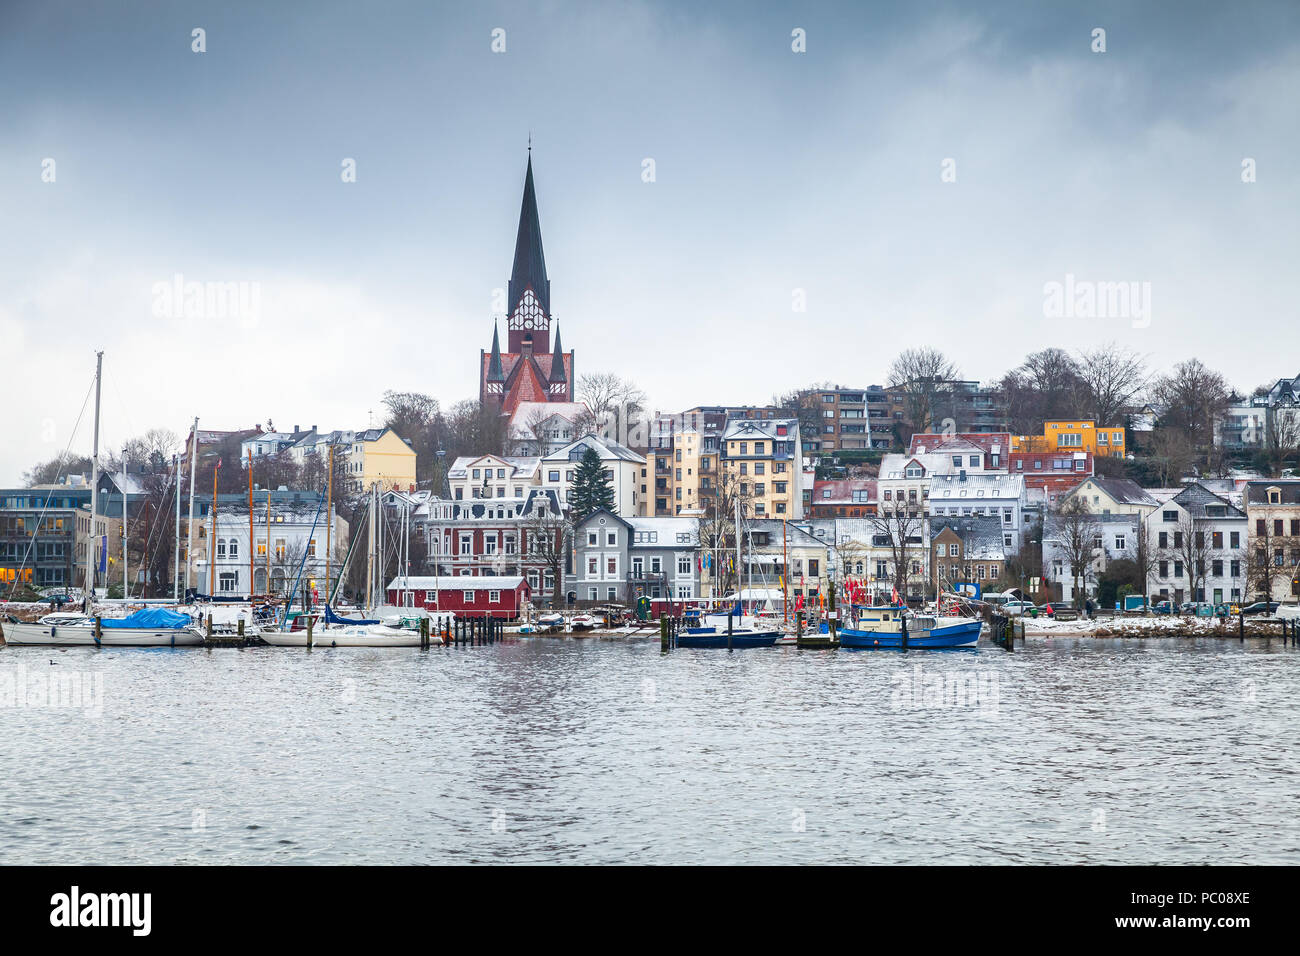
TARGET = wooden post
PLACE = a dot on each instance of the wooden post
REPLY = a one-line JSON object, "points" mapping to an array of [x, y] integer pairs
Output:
{"points": [[209, 625], [1241, 626], [100, 633], [241, 627], [309, 638], [902, 627], [424, 632]]}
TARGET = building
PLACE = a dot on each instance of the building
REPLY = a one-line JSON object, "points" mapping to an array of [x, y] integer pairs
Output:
{"points": [[904, 481], [623, 470], [966, 550], [540, 428], [1116, 539], [1077, 435], [954, 405], [624, 559], [850, 419], [1196, 541], [370, 456], [39, 542], [493, 476], [497, 537], [1273, 523], [1106, 496], [843, 498], [763, 460], [289, 531], [500, 597], [964, 494], [530, 370], [1050, 475], [269, 443]]}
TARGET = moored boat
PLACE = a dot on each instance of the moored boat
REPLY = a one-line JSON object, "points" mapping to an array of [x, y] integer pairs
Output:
{"points": [[894, 627], [151, 627]]}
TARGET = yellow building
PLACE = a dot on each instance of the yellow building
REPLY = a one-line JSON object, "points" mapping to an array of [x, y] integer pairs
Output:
{"points": [[379, 455], [1079, 435], [763, 461]]}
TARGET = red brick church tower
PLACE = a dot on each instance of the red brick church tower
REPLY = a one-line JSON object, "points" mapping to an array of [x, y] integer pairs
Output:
{"points": [[530, 370]]}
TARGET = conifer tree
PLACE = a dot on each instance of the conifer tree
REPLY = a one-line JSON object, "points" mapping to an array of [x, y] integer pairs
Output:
{"points": [[591, 488]]}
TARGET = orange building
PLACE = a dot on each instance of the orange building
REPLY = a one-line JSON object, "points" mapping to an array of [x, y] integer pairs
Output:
{"points": [[1079, 435]]}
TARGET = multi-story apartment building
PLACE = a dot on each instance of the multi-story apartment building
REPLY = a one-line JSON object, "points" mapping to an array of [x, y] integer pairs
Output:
{"points": [[996, 495], [685, 476], [38, 539], [624, 559], [763, 460], [954, 406], [1273, 520], [1196, 541], [1106, 496], [1049, 475], [966, 550], [850, 418], [1106, 441], [1116, 539]]}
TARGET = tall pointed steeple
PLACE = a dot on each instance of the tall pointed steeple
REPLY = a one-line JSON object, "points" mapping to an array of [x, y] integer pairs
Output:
{"points": [[557, 376], [494, 373], [530, 263]]}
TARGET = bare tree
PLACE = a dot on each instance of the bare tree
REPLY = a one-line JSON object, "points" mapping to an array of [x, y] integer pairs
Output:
{"points": [[921, 374], [1044, 387], [1196, 399], [613, 401], [547, 534], [1187, 544], [1111, 378], [1076, 532], [902, 531]]}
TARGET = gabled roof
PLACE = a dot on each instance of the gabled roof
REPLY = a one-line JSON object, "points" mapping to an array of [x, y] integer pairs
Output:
{"points": [[1194, 499], [1257, 491], [607, 448], [989, 442], [1124, 491], [760, 427], [981, 535]]}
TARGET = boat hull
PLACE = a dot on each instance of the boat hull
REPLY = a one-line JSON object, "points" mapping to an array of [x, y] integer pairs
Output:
{"points": [[738, 640], [349, 637], [57, 635], [966, 634]]}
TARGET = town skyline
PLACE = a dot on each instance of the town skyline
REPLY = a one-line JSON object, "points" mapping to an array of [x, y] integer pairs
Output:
{"points": [[690, 284]]}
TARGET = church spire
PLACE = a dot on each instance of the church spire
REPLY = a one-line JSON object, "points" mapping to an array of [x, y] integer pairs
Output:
{"points": [[494, 373], [530, 264], [557, 360]]}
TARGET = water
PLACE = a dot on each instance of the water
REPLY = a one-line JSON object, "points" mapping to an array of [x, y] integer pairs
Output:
{"points": [[548, 750]]}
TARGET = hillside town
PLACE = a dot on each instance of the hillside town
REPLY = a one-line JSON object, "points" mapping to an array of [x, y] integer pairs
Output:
{"points": [[1074, 477]]}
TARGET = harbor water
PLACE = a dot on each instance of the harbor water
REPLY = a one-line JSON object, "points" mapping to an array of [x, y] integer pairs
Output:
{"points": [[1070, 750]]}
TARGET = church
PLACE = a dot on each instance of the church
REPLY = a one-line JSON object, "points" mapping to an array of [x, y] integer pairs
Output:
{"points": [[530, 370]]}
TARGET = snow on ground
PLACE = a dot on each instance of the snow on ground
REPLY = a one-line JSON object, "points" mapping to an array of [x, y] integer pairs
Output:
{"points": [[1156, 626]]}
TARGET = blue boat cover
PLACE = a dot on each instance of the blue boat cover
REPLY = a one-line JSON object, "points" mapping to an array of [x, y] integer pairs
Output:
{"points": [[150, 617], [332, 618]]}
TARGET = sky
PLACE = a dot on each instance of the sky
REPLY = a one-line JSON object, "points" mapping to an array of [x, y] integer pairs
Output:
{"points": [[919, 175]]}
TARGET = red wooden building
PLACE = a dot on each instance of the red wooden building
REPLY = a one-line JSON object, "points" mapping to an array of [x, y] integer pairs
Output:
{"points": [[479, 596]]}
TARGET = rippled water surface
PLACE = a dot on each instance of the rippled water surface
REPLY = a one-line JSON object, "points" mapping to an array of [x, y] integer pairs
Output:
{"points": [[548, 750]]}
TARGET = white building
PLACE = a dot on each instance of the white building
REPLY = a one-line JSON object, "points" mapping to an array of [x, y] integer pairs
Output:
{"points": [[1219, 530], [542, 428], [493, 476], [965, 494], [623, 469]]}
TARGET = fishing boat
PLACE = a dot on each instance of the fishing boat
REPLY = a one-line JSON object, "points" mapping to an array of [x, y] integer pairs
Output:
{"points": [[151, 627], [896, 627]]}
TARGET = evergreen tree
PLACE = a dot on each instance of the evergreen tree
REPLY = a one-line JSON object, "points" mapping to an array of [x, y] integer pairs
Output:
{"points": [[591, 489]]}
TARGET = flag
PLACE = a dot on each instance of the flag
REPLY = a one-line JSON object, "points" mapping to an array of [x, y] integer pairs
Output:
{"points": [[893, 597], [103, 554]]}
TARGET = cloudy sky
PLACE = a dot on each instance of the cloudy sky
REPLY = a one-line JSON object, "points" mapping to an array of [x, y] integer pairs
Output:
{"points": [[916, 177]]}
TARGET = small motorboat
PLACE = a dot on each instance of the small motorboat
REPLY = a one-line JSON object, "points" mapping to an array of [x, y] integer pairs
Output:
{"points": [[584, 622], [546, 623], [895, 627], [736, 640]]}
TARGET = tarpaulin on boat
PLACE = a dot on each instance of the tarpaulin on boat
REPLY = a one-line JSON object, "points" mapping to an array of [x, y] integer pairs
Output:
{"points": [[150, 617], [332, 618]]}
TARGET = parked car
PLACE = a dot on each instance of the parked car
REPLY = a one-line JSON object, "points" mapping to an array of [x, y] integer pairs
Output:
{"points": [[1260, 607], [1017, 607], [1163, 607]]}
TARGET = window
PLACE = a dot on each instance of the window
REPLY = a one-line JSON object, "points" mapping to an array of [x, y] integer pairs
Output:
{"points": [[683, 564], [656, 566], [611, 538], [553, 476], [1169, 516], [1121, 543], [469, 596], [494, 597], [593, 566]]}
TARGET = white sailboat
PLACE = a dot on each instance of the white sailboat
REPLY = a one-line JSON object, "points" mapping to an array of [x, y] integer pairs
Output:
{"points": [[151, 627]]}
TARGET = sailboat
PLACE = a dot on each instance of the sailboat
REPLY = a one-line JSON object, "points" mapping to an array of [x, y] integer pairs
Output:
{"points": [[730, 630], [402, 629], [151, 627]]}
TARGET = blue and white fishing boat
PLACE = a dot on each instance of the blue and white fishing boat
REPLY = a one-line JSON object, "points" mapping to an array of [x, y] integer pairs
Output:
{"points": [[889, 627]]}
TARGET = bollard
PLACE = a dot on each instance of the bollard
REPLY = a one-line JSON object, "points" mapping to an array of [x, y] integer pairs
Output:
{"points": [[209, 626], [902, 627], [308, 632], [1241, 627], [663, 633], [241, 628], [99, 631], [424, 632]]}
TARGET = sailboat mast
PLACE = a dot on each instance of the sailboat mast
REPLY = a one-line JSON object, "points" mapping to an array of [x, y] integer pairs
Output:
{"points": [[126, 578], [250, 524], [329, 519], [370, 554], [94, 490], [189, 528], [176, 555], [739, 558]]}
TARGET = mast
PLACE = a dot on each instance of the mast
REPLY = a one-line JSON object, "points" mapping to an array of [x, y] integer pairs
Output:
{"points": [[94, 490], [370, 552], [176, 555], [329, 520], [785, 571], [250, 524], [739, 595], [126, 579], [268, 540], [212, 541], [189, 527]]}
